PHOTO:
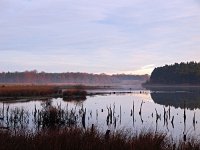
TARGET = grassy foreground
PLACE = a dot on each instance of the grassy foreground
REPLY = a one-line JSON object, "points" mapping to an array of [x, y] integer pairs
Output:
{"points": [[90, 139]]}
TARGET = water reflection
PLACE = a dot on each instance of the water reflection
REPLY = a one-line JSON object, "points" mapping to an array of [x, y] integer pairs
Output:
{"points": [[76, 100], [134, 110], [178, 98]]}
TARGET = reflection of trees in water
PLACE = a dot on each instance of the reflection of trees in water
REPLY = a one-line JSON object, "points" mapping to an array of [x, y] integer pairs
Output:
{"points": [[77, 96], [177, 99], [76, 101], [174, 88]]}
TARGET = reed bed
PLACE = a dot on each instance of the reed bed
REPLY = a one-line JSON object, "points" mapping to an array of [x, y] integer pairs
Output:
{"points": [[81, 139], [77, 138], [22, 91], [27, 90], [58, 129]]}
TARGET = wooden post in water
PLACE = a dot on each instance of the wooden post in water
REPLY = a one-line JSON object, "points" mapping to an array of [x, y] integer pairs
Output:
{"points": [[92, 128], [35, 112], [141, 119], [83, 119], [172, 121], [115, 122], [7, 110], [164, 115], [184, 114], [194, 121], [97, 115], [120, 116], [169, 112], [133, 113], [113, 109], [140, 112], [184, 133], [133, 108], [110, 115], [141, 108], [107, 120]]}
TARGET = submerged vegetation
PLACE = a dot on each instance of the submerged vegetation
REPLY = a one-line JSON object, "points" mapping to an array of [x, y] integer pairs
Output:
{"points": [[56, 128]]}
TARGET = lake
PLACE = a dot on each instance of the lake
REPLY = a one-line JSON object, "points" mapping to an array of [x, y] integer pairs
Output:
{"points": [[173, 111]]}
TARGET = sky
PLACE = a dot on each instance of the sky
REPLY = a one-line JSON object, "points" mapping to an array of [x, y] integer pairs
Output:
{"points": [[98, 36]]}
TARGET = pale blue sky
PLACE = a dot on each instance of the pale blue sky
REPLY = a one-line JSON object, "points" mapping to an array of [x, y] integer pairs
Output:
{"points": [[95, 36]]}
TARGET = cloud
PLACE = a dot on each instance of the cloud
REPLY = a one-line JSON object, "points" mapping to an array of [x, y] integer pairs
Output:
{"points": [[97, 36], [140, 71]]}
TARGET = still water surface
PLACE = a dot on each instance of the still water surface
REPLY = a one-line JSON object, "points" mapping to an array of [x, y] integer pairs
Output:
{"points": [[158, 110]]}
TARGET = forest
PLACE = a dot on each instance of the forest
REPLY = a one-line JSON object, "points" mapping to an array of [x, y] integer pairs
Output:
{"points": [[178, 73], [34, 77]]}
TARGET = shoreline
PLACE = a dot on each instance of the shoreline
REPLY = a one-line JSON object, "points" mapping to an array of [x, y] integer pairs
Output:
{"points": [[170, 85], [30, 98]]}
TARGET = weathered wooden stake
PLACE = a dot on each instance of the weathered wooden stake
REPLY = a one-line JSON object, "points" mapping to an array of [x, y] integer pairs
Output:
{"points": [[172, 121], [169, 112], [141, 108], [120, 116], [194, 121]]}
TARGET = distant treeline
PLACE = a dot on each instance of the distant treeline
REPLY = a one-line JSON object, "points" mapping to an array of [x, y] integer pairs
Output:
{"points": [[71, 78], [183, 73]]}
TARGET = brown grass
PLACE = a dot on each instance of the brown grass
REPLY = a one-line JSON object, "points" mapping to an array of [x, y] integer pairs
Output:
{"points": [[79, 139], [27, 90], [68, 92]]}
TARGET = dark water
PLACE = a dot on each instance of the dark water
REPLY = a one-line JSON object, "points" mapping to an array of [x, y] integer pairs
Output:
{"points": [[174, 111]]}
